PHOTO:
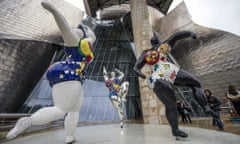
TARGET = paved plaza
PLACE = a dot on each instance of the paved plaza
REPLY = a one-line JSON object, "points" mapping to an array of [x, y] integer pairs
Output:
{"points": [[130, 134]]}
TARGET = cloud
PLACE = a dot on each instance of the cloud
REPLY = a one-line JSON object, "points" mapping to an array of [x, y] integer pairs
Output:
{"points": [[218, 14]]}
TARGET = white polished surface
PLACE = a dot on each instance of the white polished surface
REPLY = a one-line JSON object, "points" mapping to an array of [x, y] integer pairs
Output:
{"points": [[130, 134]]}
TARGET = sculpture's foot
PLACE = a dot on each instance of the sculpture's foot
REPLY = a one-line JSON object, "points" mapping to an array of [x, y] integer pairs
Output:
{"points": [[21, 125], [179, 134], [209, 111], [12, 134], [121, 124], [221, 129], [180, 138], [70, 140]]}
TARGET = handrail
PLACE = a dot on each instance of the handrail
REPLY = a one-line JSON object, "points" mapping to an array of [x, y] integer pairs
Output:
{"points": [[7, 120], [13, 115]]}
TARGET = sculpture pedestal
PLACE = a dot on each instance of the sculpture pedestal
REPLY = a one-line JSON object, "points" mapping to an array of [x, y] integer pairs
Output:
{"points": [[131, 134]]}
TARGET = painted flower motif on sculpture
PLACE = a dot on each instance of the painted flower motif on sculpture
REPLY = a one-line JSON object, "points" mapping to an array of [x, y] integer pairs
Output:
{"points": [[151, 57]]}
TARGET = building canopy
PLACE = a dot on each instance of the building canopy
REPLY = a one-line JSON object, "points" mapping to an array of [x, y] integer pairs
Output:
{"points": [[95, 5]]}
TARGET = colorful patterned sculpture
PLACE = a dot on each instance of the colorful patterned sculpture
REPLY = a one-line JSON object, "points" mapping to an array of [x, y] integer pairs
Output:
{"points": [[165, 74], [66, 78], [117, 90]]}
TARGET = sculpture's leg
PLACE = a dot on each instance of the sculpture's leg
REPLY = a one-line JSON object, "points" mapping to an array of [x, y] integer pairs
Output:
{"points": [[72, 118], [118, 106], [165, 93], [70, 124], [124, 90], [42, 116], [184, 78], [69, 96]]}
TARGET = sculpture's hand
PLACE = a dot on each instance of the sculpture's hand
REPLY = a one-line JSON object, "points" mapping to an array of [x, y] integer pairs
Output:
{"points": [[104, 71], [47, 5]]}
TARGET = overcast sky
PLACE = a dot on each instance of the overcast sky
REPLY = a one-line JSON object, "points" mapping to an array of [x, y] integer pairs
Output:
{"points": [[219, 14], [77, 3]]}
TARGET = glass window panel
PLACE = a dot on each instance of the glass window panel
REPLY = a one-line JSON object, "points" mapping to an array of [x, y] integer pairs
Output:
{"points": [[92, 110], [84, 108], [101, 108], [109, 111], [115, 114]]}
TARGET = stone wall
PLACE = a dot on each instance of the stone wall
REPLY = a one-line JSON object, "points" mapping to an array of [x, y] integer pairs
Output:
{"points": [[152, 108], [213, 58], [27, 34]]}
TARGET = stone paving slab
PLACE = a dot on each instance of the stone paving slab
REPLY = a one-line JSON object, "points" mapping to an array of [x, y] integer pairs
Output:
{"points": [[130, 134]]}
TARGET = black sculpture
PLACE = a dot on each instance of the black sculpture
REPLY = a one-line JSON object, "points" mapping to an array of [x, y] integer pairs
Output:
{"points": [[165, 74]]}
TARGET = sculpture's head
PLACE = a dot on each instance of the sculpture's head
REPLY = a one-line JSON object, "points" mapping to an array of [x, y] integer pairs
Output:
{"points": [[113, 74], [164, 48], [232, 88], [85, 49], [108, 74]]}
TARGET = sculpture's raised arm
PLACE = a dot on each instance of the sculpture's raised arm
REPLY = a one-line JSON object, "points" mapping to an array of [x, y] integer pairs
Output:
{"points": [[179, 36], [139, 65], [70, 37], [121, 74], [106, 78]]}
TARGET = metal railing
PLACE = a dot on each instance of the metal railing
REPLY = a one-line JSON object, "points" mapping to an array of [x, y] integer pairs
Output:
{"points": [[7, 120]]}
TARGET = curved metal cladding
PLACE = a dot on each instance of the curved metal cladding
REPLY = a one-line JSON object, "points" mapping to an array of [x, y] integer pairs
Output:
{"points": [[24, 53], [22, 64], [213, 57]]}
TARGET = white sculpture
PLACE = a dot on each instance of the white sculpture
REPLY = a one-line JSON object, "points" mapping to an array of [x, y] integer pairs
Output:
{"points": [[66, 79], [117, 90]]}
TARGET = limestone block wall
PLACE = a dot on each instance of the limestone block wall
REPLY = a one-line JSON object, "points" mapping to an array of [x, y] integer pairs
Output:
{"points": [[152, 108], [27, 34], [213, 58]]}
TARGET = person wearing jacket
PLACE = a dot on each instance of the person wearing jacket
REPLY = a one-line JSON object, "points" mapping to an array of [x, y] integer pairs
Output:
{"points": [[214, 104], [183, 110], [233, 95]]}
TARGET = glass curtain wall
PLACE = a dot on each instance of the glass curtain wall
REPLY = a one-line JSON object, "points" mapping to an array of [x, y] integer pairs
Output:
{"points": [[112, 50]]}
